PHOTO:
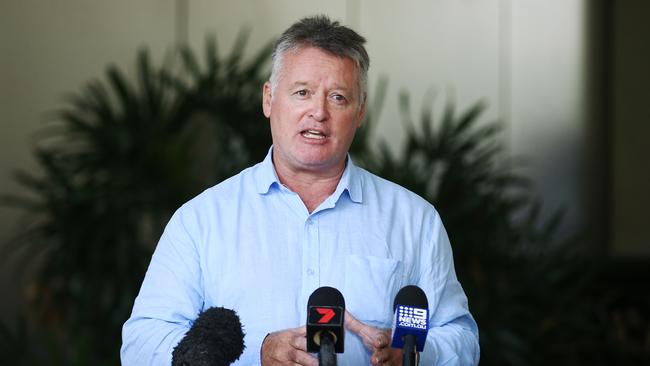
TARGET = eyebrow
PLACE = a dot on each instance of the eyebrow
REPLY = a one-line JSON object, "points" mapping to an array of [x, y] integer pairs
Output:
{"points": [[347, 91], [304, 83]]}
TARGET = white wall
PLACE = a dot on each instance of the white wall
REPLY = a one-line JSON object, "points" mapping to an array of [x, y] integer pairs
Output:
{"points": [[449, 47], [548, 106]]}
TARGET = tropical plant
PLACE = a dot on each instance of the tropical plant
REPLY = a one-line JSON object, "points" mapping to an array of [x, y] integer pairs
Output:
{"points": [[117, 161], [224, 96], [526, 286]]}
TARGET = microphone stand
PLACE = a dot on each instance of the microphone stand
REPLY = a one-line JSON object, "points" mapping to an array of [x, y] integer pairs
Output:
{"points": [[409, 355], [326, 354]]}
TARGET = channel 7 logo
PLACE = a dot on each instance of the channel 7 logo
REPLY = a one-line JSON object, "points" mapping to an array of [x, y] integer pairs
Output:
{"points": [[325, 315]]}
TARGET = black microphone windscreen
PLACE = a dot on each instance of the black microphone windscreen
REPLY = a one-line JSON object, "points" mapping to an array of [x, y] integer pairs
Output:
{"points": [[216, 338], [326, 296], [411, 296]]}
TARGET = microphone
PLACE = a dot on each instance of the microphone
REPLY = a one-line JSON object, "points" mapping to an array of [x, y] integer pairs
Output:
{"points": [[216, 338], [325, 319], [411, 323]]}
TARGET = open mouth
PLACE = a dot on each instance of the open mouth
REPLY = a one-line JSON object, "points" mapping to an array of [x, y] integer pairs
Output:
{"points": [[313, 134]]}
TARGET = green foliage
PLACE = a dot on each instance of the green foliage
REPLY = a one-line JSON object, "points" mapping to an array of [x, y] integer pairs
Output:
{"points": [[90, 217], [514, 270], [535, 295], [226, 94], [118, 160]]}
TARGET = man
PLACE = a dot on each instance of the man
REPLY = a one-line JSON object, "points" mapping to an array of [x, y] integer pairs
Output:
{"points": [[262, 241]]}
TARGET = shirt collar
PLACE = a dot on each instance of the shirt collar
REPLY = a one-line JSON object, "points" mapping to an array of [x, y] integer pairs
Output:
{"points": [[265, 175], [351, 180]]}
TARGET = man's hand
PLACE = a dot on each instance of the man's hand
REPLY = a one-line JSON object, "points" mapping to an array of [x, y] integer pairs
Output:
{"points": [[287, 347], [376, 340]]}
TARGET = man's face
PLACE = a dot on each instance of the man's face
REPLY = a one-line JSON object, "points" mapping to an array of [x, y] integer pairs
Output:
{"points": [[314, 111]]}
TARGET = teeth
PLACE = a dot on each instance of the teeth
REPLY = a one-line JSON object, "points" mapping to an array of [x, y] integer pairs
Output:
{"points": [[312, 134]]}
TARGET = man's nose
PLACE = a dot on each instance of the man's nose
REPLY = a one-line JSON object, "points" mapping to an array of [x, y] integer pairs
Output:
{"points": [[319, 110]]}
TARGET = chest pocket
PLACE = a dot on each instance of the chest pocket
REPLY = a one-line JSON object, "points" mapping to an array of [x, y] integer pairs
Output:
{"points": [[370, 285]]}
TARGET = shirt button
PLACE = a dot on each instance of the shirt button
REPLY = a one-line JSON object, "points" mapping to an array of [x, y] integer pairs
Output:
{"points": [[310, 271]]}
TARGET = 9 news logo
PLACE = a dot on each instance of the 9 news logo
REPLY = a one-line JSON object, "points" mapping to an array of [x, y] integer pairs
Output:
{"points": [[411, 317]]}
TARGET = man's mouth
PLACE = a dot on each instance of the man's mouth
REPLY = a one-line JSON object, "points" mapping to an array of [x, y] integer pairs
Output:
{"points": [[313, 134]]}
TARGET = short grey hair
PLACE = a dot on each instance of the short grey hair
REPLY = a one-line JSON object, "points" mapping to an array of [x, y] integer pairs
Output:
{"points": [[320, 32]]}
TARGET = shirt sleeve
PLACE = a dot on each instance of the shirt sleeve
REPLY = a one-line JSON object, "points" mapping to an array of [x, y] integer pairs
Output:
{"points": [[170, 299], [453, 333]]}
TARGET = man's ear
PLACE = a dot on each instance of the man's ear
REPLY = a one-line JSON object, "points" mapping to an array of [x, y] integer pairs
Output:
{"points": [[266, 99]]}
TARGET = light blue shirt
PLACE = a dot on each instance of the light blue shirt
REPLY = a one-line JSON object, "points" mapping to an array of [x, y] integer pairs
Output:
{"points": [[249, 244]]}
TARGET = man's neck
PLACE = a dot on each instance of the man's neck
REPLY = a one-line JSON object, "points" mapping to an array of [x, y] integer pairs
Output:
{"points": [[312, 188]]}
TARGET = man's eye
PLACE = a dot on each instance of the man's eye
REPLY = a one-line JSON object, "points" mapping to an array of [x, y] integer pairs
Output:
{"points": [[339, 98], [302, 93]]}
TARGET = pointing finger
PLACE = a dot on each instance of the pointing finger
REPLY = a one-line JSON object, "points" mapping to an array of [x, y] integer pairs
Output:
{"points": [[353, 324], [372, 337]]}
